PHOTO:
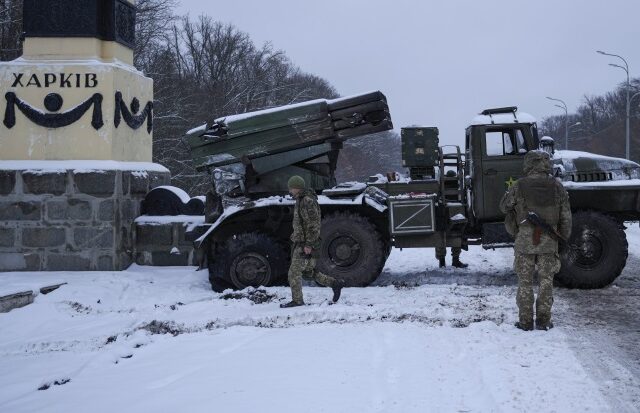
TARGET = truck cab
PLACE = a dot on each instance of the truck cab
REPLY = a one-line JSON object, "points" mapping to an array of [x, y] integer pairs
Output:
{"points": [[496, 142]]}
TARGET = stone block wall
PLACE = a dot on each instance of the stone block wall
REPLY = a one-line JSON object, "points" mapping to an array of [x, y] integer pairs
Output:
{"points": [[168, 243], [71, 219]]}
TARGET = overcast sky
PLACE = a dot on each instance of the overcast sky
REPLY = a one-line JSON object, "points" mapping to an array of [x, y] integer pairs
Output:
{"points": [[441, 62]]}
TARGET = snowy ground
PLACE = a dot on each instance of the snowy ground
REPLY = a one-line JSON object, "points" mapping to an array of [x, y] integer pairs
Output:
{"points": [[158, 339]]}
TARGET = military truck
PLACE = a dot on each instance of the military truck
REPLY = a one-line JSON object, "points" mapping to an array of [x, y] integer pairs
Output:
{"points": [[250, 157]]}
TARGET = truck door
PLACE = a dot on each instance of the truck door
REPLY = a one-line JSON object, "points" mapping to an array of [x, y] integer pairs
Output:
{"points": [[503, 153]]}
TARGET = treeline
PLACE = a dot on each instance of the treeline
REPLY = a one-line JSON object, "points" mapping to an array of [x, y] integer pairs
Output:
{"points": [[598, 124], [10, 29], [203, 69]]}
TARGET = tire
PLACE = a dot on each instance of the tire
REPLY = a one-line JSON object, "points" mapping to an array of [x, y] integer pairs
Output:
{"points": [[598, 252], [352, 249], [247, 260], [218, 284]]}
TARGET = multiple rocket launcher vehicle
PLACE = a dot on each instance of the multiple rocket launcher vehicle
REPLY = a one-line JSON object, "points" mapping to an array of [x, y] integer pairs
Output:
{"points": [[449, 198]]}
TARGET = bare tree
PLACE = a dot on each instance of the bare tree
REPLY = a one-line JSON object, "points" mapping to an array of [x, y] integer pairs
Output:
{"points": [[216, 70], [152, 19], [602, 123], [10, 29]]}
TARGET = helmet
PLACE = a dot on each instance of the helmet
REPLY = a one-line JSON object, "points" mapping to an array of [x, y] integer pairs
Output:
{"points": [[296, 182]]}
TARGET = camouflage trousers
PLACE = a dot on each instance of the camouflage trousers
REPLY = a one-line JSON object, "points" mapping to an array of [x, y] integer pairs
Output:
{"points": [[441, 252], [525, 266], [304, 267]]}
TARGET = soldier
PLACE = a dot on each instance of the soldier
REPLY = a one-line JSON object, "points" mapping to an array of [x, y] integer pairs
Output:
{"points": [[441, 252], [542, 194], [306, 243]]}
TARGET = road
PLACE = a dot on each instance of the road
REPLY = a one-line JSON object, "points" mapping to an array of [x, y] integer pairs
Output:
{"points": [[603, 325]]}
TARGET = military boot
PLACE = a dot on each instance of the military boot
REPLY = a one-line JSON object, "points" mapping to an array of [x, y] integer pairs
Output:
{"points": [[443, 263], [544, 325], [291, 304], [337, 287], [459, 264], [524, 325]]}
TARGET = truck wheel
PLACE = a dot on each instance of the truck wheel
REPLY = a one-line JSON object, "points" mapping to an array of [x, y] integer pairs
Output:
{"points": [[352, 249], [598, 252], [249, 259]]}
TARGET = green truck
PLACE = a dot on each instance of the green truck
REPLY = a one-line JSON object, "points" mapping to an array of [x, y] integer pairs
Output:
{"points": [[449, 197]]}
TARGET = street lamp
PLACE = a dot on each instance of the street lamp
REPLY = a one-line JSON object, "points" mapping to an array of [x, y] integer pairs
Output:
{"points": [[626, 69], [575, 124], [566, 120]]}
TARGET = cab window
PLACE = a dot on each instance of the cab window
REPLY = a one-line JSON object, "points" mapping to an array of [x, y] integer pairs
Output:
{"points": [[501, 142]]}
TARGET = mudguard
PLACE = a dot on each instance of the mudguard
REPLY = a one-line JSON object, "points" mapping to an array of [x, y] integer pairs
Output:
{"points": [[369, 197]]}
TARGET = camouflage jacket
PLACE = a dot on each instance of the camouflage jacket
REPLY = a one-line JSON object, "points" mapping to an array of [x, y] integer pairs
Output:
{"points": [[306, 220], [537, 192]]}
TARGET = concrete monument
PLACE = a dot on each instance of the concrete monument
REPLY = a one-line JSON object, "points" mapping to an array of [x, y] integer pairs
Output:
{"points": [[75, 139]]}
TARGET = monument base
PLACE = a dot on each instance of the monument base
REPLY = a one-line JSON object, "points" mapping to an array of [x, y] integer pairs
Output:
{"points": [[168, 240], [72, 215]]}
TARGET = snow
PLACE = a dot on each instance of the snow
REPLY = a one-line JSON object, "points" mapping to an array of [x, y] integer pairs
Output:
{"points": [[219, 158], [80, 166], [413, 195], [24, 284], [242, 116], [169, 219], [198, 129], [374, 204], [621, 183], [502, 118], [140, 174], [11, 290], [342, 99], [59, 65], [418, 126], [226, 120], [379, 179], [158, 339], [620, 169], [190, 222], [345, 187], [572, 155], [356, 200], [180, 193]]}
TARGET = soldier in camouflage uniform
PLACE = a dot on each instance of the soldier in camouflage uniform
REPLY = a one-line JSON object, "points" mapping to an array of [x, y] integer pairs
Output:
{"points": [[441, 252], [537, 192], [306, 244]]}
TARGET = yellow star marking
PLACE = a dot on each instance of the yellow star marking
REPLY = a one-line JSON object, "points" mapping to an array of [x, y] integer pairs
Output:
{"points": [[510, 182]]}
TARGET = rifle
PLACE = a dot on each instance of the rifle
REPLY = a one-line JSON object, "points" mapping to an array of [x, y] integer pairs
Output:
{"points": [[541, 226]]}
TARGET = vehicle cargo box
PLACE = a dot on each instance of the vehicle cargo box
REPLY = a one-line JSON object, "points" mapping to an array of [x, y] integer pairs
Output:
{"points": [[419, 146]]}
